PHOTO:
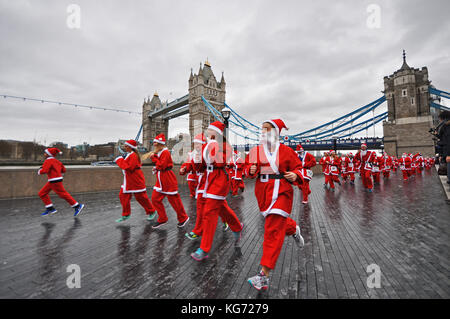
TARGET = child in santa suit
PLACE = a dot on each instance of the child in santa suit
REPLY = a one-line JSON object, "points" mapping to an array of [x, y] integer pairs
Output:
{"points": [[133, 182], [308, 162], [192, 178], [366, 159], [276, 167], [344, 173], [54, 170], [166, 184], [215, 156], [405, 166], [350, 167], [237, 167]]}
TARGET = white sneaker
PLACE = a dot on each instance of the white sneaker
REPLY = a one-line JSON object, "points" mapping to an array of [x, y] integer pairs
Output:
{"points": [[298, 237], [260, 282]]}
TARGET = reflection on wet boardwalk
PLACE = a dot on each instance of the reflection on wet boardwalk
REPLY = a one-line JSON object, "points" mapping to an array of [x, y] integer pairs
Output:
{"points": [[403, 228]]}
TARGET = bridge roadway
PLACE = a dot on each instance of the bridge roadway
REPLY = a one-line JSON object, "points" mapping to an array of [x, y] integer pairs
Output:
{"points": [[403, 227]]}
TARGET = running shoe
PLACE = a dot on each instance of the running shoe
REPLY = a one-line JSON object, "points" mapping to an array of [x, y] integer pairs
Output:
{"points": [[192, 236], [151, 216], [78, 209], [259, 282], [298, 237], [158, 224], [199, 255], [180, 225], [122, 218], [49, 210]]}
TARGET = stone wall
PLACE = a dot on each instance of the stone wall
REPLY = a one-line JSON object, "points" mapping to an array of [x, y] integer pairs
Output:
{"points": [[21, 182]]}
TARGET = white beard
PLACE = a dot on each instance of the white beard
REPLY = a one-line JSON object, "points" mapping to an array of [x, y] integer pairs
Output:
{"points": [[363, 153], [268, 138]]}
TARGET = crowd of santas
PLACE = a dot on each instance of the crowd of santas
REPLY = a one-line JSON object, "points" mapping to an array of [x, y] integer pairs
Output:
{"points": [[370, 166]]}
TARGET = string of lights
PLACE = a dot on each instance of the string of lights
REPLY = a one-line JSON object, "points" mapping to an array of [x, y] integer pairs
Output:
{"points": [[70, 104]]}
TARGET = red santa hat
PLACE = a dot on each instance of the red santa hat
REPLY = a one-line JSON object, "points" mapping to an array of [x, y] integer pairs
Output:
{"points": [[350, 153], [299, 148], [363, 144], [217, 126], [52, 151], [200, 138], [132, 144], [160, 138], [278, 124]]}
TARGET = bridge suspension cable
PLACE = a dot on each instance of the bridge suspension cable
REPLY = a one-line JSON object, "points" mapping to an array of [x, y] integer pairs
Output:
{"points": [[70, 104]]}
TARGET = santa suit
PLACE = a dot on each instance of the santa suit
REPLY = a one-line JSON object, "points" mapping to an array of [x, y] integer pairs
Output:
{"points": [[366, 158], [387, 165], [192, 178], [418, 159], [133, 183], [322, 162], [274, 195], [237, 167], [350, 167], [332, 170], [376, 169], [405, 166], [54, 170], [217, 185], [308, 162], [166, 185]]}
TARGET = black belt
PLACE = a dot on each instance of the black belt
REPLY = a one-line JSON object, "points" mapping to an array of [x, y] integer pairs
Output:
{"points": [[271, 176], [165, 170], [57, 181]]}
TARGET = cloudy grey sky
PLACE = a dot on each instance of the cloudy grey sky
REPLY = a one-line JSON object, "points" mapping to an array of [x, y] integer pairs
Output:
{"points": [[305, 61]]}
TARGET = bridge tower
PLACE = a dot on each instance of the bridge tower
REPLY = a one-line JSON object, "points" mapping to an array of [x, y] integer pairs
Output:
{"points": [[409, 118], [152, 126], [204, 83]]}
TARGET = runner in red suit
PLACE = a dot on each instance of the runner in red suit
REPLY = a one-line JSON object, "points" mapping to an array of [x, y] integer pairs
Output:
{"points": [[55, 170], [405, 166], [276, 167], [366, 159], [133, 182], [308, 162]]}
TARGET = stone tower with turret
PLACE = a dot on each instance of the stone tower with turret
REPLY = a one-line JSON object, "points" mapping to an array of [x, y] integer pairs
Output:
{"points": [[204, 84], [409, 118], [152, 126]]}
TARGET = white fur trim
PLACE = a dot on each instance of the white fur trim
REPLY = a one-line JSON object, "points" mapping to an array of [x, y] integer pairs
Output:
{"points": [[159, 141], [133, 147], [214, 128]]}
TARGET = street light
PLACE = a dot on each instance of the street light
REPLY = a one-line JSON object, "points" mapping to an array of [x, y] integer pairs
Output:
{"points": [[335, 143], [226, 112]]}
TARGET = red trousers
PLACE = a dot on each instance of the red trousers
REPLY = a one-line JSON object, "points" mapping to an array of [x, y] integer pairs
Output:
{"points": [[352, 176], [406, 173], [386, 174], [142, 199], [304, 187], [200, 214], [276, 227], [212, 209], [330, 179], [59, 189], [366, 178], [235, 185], [192, 186], [175, 202], [376, 177]]}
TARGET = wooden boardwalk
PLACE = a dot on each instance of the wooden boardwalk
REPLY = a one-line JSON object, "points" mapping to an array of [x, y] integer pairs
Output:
{"points": [[402, 227]]}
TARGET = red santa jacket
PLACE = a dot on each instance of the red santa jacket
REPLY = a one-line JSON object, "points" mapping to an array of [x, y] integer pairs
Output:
{"points": [[308, 161], [133, 177], [322, 162], [405, 163], [377, 164], [53, 168], [387, 163], [191, 176], [215, 159], [365, 160], [273, 192], [349, 164], [195, 167], [166, 181], [237, 168]]}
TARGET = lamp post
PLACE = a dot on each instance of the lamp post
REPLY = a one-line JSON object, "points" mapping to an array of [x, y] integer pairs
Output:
{"points": [[226, 112], [335, 144]]}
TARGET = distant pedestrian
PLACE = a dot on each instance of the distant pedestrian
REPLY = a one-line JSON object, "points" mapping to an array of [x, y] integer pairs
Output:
{"points": [[55, 170]]}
